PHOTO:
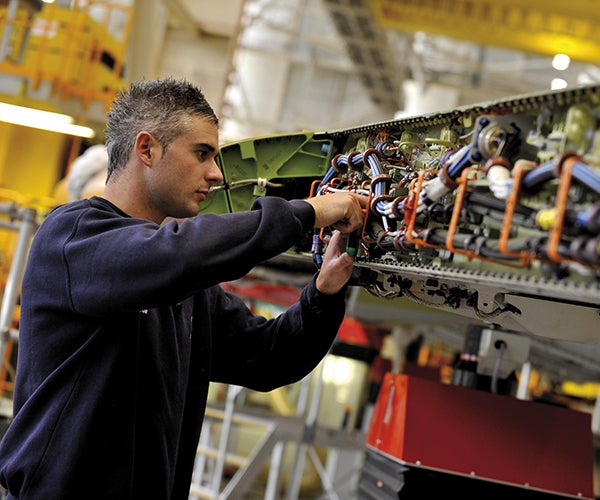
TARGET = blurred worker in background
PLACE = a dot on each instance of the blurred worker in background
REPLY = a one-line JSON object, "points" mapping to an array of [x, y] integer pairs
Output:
{"points": [[88, 172], [86, 176], [123, 321]]}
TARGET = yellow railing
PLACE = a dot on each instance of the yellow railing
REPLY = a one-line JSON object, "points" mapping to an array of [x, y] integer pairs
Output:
{"points": [[79, 51]]}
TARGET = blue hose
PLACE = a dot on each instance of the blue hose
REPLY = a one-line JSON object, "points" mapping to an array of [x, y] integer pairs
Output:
{"points": [[547, 171]]}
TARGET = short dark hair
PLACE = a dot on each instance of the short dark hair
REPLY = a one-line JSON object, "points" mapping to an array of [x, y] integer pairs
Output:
{"points": [[161, 107]]}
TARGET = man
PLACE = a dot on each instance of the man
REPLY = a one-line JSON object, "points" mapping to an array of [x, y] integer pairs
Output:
{"points": [[123, 323]]}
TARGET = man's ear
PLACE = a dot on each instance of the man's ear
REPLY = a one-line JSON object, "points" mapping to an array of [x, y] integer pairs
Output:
{"points": [[146, 147]]}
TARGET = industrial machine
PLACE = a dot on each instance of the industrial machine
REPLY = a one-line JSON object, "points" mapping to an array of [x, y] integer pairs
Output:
{"points": [[488, 211], [491, 211], [430, 440]]}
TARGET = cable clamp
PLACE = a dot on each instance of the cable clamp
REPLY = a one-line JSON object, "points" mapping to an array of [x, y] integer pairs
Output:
{"points": [[262, 183]]}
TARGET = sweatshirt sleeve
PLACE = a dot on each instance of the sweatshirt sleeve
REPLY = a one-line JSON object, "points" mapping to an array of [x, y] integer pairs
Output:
{"points": [[264, 354], [113, 263]]}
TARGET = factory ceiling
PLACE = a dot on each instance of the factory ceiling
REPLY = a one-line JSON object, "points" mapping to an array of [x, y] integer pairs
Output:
{"points": [[407, 56]]}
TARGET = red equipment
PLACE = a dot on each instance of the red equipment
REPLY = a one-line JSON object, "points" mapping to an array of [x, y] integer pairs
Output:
{"points": [[529, 449]]}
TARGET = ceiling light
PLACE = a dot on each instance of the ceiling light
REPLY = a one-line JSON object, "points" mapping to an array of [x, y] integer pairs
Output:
{"points": [[561, 62], [44, 120], [558, 83]]}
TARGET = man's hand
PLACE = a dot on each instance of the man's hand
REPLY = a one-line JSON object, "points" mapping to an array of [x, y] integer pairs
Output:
{"points": [[343, 211], [337, 265]]}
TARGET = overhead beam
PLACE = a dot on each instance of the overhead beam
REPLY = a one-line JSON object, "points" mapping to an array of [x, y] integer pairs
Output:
{"points": [[537, 26], [368, 47]]}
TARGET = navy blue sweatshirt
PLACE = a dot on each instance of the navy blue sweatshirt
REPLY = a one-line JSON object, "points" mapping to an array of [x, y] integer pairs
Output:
{"points": [[123, 325]]}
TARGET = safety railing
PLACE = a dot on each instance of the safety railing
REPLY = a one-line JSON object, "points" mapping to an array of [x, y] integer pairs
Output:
{"points": [[78, 51]]}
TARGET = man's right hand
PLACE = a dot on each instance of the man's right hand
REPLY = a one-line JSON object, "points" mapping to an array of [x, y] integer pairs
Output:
{"points": [[343, 211]]}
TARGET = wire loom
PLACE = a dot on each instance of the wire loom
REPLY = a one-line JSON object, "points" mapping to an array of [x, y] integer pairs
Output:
{"points": [[515, 184]]}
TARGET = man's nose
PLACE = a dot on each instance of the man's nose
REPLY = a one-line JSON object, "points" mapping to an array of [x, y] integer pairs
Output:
{"points": [[215, 173]]}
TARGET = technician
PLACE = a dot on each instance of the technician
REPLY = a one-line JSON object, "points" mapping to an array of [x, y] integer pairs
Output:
{"points": [[123, 323]]}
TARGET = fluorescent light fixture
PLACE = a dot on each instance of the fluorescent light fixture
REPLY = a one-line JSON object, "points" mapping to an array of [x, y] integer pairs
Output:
{"points": [[561, 62], [44, 120]]}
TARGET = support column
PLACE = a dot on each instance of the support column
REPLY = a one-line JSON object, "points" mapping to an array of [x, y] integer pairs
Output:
{"points": [[147, 37]]}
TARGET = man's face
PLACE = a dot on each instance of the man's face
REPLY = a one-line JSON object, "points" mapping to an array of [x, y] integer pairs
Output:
{"points": [[183, 174]]}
